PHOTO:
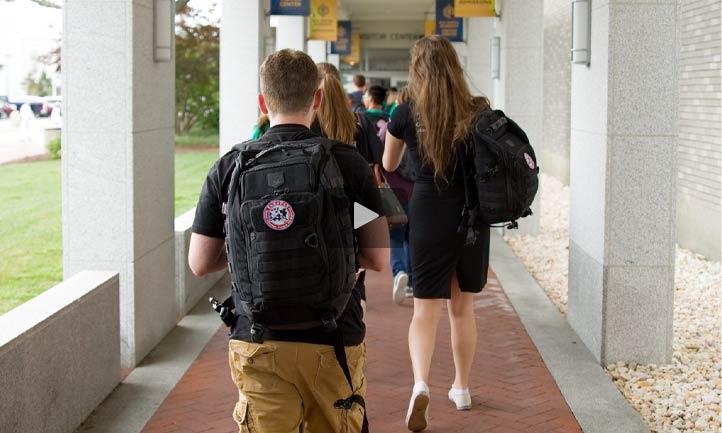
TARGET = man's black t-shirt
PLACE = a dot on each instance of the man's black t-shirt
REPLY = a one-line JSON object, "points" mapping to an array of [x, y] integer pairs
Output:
{"points": [[360, 187]]}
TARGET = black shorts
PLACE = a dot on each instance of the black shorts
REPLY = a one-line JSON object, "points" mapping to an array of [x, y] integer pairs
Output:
{"points": [[437, 251]]}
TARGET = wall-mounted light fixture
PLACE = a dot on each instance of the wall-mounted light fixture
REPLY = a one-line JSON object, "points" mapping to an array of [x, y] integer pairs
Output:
{"points": [[164, 14], [581, 31], [495, 57], [497, 7]]}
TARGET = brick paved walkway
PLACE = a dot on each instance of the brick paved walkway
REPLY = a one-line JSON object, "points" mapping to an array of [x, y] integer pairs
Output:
{"points": [[512, 391]]}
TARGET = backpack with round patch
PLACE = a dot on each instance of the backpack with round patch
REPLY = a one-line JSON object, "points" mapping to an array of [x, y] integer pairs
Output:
{"points": [[505, 172], [289, 236]]}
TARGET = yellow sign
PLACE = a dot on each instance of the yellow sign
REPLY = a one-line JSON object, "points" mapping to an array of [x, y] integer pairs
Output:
{"points": [[474, 8], [429, 27], [324, 20], [355, 57]]}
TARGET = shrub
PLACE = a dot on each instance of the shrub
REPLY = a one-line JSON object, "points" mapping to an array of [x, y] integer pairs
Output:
{"points": [[54, 148]]}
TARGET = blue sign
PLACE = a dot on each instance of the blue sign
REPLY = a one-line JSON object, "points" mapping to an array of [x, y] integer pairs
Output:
{"points": [[343, 42], [447, 25], [291, 7]]}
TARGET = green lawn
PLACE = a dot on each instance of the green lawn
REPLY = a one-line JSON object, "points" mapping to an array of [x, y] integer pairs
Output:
{"points": [[30, 221], [191, 169], [198, 139]]}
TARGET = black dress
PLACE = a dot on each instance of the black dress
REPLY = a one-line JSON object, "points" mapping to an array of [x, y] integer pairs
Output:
{"points": [[437, 250]]}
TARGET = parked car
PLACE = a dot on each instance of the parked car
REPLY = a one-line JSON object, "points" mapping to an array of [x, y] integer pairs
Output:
{"points": [[6, 107], [50, 102], [35, 102]]}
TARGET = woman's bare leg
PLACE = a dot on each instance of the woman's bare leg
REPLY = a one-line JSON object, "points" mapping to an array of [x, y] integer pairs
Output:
{"points": [[422, 336], [463, 333]]}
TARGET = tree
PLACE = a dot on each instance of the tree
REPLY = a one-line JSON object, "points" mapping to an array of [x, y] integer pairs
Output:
{"points": [[47, 3], [180, 5], [197, 53], [53, 58], [42, 86]]}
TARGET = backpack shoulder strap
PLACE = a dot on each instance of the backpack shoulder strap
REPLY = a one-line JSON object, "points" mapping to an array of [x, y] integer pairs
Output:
{"points": [[347, 403]]}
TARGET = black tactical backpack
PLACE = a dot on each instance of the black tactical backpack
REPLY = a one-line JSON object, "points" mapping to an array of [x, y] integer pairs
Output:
{"points": [[289, 236], [505, 172]]}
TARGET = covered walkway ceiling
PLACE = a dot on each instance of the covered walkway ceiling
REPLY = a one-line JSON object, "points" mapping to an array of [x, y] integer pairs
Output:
{"points": [[396, 10]]}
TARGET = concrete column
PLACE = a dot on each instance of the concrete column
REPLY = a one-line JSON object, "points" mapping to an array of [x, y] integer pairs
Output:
{"points": [[244, 27], [317, 51], [554, 157], [478, 52], [290, 32], [623, 183], [519, 90], [118, 163]]}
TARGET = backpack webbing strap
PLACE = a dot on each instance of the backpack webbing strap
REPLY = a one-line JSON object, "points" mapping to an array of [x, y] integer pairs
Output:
{"points": [[469, 212], [347, 403]]}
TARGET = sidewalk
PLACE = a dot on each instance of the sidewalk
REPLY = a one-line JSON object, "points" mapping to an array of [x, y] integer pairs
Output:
{"points": [[512, 390]]}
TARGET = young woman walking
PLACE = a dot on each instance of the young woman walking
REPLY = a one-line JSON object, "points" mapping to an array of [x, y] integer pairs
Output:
{"points": [[438, 123]]}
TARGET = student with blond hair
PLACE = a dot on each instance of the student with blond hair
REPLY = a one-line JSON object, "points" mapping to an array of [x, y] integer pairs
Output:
{"points": [[438, 123]]}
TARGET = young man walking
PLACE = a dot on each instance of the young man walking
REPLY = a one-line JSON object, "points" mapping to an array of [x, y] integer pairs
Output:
{"points": [[356, 97], [296, 347]]}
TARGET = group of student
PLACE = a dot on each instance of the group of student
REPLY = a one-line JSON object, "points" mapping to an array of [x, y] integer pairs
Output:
{"points": [[295, 378]]}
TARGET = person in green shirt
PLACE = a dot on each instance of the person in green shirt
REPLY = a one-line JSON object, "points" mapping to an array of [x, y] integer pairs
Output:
{"points": [[391, 101], [261, 127]]}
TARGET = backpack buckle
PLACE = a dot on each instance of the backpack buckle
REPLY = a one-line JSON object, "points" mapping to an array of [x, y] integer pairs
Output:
{"points": [[344, 404], [328, 322]]}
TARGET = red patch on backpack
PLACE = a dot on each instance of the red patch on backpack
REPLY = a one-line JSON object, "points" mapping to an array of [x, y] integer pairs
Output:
{"points": [[278, 215], [529, 161]]}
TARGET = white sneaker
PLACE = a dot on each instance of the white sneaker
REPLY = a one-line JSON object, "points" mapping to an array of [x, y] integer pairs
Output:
{"points": [[417, 415], [409, 292], [399, 293], [461, 398]]}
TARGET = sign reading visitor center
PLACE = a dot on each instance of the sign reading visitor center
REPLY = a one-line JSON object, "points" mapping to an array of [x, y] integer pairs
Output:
{"points": [[447, 25], [324, 20], [291, 7], [343, 42], [474, 8]]}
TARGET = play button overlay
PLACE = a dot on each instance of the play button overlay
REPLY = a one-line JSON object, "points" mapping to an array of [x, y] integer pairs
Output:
{"points": [[362, 215]]}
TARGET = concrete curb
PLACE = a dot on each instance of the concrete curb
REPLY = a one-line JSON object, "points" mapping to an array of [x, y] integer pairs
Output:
{"points": [[596, 403], [129, 407]]}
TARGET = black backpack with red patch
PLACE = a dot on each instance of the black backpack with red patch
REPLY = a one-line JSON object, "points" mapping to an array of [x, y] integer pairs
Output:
{"points": [[289, 236], [505, 173]]}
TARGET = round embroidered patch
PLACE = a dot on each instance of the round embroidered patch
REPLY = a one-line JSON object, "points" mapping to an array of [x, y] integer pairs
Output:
{"points": [[529, 161], [278, 215]]}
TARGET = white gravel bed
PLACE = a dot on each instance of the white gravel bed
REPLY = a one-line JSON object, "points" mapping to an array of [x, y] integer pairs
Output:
{"points": [[683, 397]]}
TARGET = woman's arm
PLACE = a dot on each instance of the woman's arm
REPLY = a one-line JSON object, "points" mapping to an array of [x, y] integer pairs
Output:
{"points": [[393, 151]]}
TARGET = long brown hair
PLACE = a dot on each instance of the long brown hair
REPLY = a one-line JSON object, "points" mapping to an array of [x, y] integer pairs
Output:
{"points": [[443, 104], [403, 97], [334, 117]]}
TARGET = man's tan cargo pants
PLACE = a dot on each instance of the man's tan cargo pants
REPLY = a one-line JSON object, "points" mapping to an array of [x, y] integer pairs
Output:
{"points": [[288, 387]]}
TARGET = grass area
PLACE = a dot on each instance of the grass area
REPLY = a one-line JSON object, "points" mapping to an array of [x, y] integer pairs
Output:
{"points": [[31, 231], [191, 169], [196, 139]]}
